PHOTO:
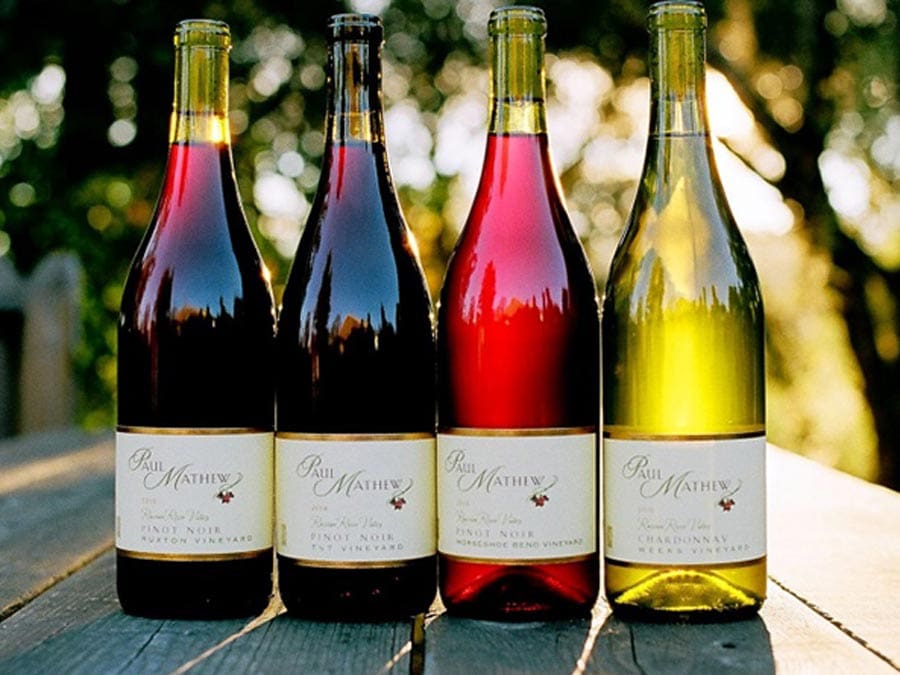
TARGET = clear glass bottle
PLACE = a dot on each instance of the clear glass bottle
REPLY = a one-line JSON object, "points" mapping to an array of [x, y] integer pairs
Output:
{"points": [[518, 369], [683, 367], [355, 446], [194, 445]]}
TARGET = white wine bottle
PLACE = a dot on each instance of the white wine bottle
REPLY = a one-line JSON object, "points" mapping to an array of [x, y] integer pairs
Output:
{"points": [[683, 368]]}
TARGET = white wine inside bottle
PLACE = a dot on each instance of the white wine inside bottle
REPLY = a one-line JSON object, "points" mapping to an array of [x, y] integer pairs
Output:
{"points": [[683, 375]]}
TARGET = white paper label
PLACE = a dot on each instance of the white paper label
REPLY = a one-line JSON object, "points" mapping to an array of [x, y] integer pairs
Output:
{"points": [[355, 500], [194, 493], [684, 501], [516, 498]]}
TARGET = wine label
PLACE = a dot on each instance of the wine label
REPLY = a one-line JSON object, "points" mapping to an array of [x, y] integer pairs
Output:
{"points": [[193, 494], [518, 495], [355, 500], [684, 501]]}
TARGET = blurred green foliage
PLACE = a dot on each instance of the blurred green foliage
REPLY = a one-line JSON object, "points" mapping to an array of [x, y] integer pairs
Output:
{"points": [[806, 114]]}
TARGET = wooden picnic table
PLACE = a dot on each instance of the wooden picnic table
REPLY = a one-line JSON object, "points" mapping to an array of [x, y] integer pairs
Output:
{"points": [[833, 603]]}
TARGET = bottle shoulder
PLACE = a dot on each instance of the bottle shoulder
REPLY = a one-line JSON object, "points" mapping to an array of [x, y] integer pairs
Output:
{"points": [[682, 224], [215, 274], [523, 253], [360, 267]]}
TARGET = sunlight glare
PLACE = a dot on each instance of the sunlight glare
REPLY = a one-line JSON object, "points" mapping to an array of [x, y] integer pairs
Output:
{"points": [[728, 116], [369, 6], [573, 114], [409, 145], [847, 183], [756, 205], [47, 88]]}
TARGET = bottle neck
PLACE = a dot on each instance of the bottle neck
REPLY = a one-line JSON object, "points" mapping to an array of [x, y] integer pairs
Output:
{"points": [[677, 71], [200, 107], [517, 84], [354, 111]]}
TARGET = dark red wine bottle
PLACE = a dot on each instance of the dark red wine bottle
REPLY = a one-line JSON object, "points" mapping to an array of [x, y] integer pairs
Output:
{"points": [[355, 444], [194, 445], [519, 374]]}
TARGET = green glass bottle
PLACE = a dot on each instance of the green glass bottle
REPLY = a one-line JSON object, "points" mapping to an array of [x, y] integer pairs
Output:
{"points": [[683, 374]]}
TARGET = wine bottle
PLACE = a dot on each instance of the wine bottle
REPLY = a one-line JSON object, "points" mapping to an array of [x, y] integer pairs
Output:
{"points": [[194, 443], [355, 387], [518, 373], [683, 383]]}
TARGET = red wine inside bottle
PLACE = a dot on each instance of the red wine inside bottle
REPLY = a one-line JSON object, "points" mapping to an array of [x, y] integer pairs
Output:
{"points": [[355, 444], [194, 445], [195, 360], [356, 377], [518, 354]]}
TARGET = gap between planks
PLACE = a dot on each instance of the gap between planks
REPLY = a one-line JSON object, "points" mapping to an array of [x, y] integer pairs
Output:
{"points": [[79, 564], [834, 622]]}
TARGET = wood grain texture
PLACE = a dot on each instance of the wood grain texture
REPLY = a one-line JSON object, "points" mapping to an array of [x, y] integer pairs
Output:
{"points": [[805, 642], [636, 647], [289, 645], [465, 646], [77, 627], [56, 501], [787, 637], [834, 542], [834, 560]]}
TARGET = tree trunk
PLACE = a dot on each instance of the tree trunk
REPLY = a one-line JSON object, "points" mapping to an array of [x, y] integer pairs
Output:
{"points": [[852, 268]]}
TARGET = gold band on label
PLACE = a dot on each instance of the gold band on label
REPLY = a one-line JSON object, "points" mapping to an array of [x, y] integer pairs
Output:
{"points": [[548, 431], [351, 565], [520, 561], [712, 566], [194, 557], [623, 434], [189, 431], [301, 436]]}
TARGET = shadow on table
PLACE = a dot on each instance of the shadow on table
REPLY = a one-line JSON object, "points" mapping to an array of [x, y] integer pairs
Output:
{"points": [[456, 645]]}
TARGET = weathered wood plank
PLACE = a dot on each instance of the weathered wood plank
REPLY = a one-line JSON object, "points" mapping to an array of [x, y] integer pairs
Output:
{"points": [[20, 451], [786, 637], [56, 501], [805, 642], [834, 556], [636, 647], [78, 627], [289, 645], [834, 542], [458, 645]]}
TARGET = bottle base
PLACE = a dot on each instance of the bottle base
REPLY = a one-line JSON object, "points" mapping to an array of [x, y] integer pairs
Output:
{"points": [[225, 589], [357, 595], [519, 593], [691, 596]]}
